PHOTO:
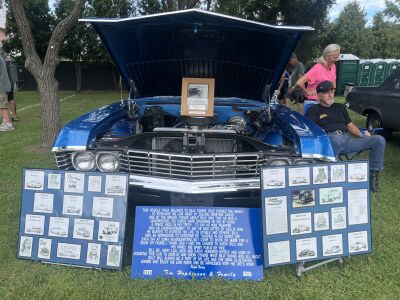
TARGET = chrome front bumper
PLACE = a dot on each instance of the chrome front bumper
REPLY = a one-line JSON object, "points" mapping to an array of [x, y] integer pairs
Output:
{"points": [[194, 187]]}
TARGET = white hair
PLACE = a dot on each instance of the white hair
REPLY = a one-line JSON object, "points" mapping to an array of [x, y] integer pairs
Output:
{"points": [[331, 48]]}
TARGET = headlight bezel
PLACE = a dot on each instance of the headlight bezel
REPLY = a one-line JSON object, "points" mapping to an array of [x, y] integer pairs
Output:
{"points": [[75, 164], [100, 166]]}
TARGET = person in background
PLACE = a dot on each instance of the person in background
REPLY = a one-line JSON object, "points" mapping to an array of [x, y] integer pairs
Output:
{"points": [[324, 69], [13, 77], [334, 119], [5, 87], [282, 89], [296, 70]]}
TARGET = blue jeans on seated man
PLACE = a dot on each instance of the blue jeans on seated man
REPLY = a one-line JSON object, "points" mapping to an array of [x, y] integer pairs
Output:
{"points": [[375, 143]]}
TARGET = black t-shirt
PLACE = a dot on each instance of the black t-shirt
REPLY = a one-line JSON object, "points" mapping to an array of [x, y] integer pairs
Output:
{"points": [[330, 118]]}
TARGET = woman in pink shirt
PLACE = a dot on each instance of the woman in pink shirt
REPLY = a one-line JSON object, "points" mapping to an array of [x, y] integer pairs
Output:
{"points": [[324, 69]]}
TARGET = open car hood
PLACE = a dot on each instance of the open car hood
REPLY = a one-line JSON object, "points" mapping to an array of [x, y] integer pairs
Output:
{"points": [[156, 51]]}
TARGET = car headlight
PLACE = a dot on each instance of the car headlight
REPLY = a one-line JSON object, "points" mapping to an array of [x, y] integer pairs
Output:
{"points": [[108, 162], [278, 162], [84, 161]]}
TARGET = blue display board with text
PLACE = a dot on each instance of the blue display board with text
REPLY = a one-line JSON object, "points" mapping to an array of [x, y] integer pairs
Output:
{"points": [[73, 218], [315, 212], [197, 242]]}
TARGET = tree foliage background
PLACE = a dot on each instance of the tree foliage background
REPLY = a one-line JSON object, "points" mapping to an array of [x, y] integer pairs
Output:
{"points": [[377, 39]]}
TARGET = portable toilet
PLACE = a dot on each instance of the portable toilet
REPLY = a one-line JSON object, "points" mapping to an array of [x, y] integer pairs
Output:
{"points": [[378, 73], [365, 72], [346, 72], [391, 66]]}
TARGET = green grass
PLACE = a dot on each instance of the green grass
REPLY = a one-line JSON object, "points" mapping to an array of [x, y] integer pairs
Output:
{"points": [[366, 276]]}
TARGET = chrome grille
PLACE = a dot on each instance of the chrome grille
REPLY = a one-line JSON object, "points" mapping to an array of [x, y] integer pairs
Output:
{"points": [[192, 167], [63, 160]]}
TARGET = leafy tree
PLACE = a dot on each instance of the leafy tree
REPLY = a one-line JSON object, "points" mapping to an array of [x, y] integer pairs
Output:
{"points": [[350, 30], [393, 9], [41, 22], [43, 70], [385, 38], [312, 13], [146, 7]]}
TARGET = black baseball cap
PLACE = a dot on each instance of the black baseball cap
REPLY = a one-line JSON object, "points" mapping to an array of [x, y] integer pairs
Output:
{"points": [[325, 86]]}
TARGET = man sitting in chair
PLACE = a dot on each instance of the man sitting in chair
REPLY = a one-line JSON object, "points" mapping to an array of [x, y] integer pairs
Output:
{"points": [[335, 120]]}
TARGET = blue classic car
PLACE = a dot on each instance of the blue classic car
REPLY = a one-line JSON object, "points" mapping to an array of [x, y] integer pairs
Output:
{"points": [[171, 157]]}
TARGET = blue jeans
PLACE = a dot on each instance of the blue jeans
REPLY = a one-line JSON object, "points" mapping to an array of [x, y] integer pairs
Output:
{"points": [[307, 105], [345, 144]]}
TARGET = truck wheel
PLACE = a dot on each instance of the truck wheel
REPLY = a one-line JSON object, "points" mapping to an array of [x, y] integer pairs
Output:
{"points": [[375, 121]]}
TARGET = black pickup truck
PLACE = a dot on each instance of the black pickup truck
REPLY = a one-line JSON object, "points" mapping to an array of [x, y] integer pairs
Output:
{"points": [[380, 104]]}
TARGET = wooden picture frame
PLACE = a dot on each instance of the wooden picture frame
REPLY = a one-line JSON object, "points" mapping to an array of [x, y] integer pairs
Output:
{"points": [[197, 97]]}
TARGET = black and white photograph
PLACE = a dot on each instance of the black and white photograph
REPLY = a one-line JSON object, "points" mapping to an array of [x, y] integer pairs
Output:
{"points": [[93, 253], [358, 241], [71, 251], [34, 224], [83, 229], [103, 207], [58, 227], [306, 248], [108, 231], [44, 248], [320, 174], [338, 173], [72, 205], [25, 246], [332, 245], [302, 198], [43, 203], [274, 178], [34, 180], [300, 223], [357, 172], [116, 185], [299, 176], [113, 255]]}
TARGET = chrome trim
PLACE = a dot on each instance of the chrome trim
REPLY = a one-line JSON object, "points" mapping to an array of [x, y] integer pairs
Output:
{"points": [[93, 20], [193, 130], [114, 153], [196, 187], [68, 148], [319, 156]]}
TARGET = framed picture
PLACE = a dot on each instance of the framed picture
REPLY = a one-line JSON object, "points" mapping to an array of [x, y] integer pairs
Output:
{"points": [[197, 97]]}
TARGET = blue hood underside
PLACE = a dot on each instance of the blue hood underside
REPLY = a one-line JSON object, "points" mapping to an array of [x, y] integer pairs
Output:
{"points": [[157, 51]]}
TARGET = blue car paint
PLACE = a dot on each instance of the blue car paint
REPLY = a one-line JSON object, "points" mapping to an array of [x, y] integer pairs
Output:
{"points": [[308, 137]]}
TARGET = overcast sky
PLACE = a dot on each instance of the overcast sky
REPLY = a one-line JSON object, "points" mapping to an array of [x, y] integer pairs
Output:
{"points": [[370, 6]]}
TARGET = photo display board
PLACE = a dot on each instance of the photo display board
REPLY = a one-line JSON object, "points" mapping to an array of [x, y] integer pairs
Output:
{"points": [[74, 218], [197, 242], [315, 212]]}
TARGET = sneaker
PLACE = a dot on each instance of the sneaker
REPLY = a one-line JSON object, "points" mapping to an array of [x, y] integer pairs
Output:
{"points": [[6, 126], [14, 119]]}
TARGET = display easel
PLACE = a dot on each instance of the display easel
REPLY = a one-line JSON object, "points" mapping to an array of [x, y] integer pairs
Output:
{"points": [[301, 268]]}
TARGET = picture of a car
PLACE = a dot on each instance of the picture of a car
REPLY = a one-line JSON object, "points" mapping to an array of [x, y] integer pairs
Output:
{"points": [[44, 251], [307, 253], [38, 230], [300, 229], [83, 232], [115, 189], [299, 180], [103, 213], [358, 176], [303, 196], [333, 250], [145, 136], [194, 92], [58, 231], [34, 184], [110, 229], [358, 246], [274, 201], [275, 182], [73, 210]]}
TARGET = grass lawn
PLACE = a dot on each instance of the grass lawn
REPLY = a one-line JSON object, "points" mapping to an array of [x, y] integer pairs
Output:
{"points": [[372, 276]]}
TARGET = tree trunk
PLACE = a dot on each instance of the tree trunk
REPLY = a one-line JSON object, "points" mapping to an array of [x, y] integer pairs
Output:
{"points": [[50, 105], [78, 74]]}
